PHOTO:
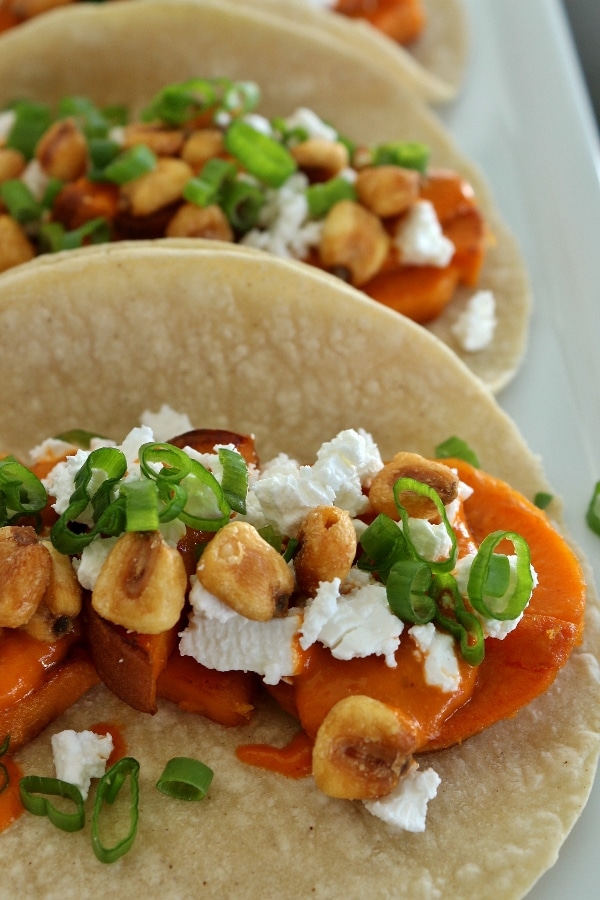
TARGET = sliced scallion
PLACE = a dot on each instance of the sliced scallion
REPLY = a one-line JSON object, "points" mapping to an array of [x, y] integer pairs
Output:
{"points": [[455, 448], [242, 202], [321, 197], [108, 788], [408, 154], [235, 479], [21, 492], [592, 516], [488, 575], [260, 155], [31, 121], [19, 201], [33, 788], [453, 617], [543, 500], [205, 188], [131, 164], [407, 585], [185, 779]]}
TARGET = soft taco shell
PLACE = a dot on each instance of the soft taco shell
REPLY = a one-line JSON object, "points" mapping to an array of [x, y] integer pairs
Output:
{"points": [[109, 59], [433, 65], [239, 339]]}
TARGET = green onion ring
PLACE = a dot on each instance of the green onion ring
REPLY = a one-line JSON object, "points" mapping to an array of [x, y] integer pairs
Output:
{"points": [[455, 448], [462, 625], [407, 586], [383, 544], [109, 786], [592, 515], [482, 567], [261, 155], [321, 197], [234, 482], [185, 779], [31, 786], [21, 492], [417, 487]]}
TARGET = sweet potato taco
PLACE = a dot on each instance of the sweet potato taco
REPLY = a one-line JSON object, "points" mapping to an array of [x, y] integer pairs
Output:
{"points": [[440, 253], [239, 340], [424, 41]]}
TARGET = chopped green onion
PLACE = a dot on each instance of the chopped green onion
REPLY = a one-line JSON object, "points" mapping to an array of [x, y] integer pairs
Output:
{"points": [[383, 544], [486, 578], [592, 516], [32, 120], [4, 776], [261, 155], [32, 786], [179, 103], [424, 490], [108, 788], [90, 119], [53, 188], [21, 492], [271, 536], [242, 202], [206, 187], [78, 436], [235, 479], [19, 201], [239, 97], [141, 505], [292, 548], [408, 154], [294, 135], [131, 164], [543, 500], [407, 586], [102, 152], [54, 238], [456, 448], [321, 197], [460, 623], [185, 779]]}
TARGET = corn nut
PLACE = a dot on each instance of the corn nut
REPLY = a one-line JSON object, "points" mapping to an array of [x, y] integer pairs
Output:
{"points": [[62, 151], [15, 246], [411, 465], [387, 190], [353, 241], [328, 158], [327, 540], [157, 188], [195, 221], [25, 571]]}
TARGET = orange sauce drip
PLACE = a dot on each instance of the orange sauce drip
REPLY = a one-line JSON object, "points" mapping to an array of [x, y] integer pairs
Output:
{"points": [[119, 746], [294, 760], [10, 798]]}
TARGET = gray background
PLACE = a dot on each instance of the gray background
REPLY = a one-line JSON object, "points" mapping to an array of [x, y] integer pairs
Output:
{"points": [[584, 18]]}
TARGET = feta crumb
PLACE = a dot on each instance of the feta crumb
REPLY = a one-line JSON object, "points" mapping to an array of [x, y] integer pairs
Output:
{"points": [[7, 120], [51, 448], [80, 756], [310, 122], [420, 239], [431, 541], [167, 423], [92, 559], [441, 664], [406, 806], [475, 326], [220, 638], [353, 625], [258, 123], [285, 229], [36, 179]]}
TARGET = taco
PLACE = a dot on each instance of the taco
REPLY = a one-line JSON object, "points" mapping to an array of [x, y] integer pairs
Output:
{"points": [[423, 41], [248, 46], [243, 341]]}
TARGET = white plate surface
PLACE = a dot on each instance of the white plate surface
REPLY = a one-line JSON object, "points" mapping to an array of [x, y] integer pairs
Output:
{"points": [[525, 118]]}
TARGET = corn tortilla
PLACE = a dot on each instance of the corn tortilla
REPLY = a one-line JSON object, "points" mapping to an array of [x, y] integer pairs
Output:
{"points": [[239, 339], [109, 60]]}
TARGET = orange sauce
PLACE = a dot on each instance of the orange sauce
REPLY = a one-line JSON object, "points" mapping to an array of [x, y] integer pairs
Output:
{"points": [[119, 746], [24, 663], [294, 760]]}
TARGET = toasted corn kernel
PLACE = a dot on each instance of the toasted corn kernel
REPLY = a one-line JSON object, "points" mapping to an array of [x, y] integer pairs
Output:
{"points": [[387, 190], [195, 221], [25, 570], [12, 163], [411, 465], [328, 157], [362, 749], [162, 141], [15, 246], [201, 146], [160, 187], [327, 541], [63, 596], [142, 584], [353, 240], [244, 571], [62, 151]]}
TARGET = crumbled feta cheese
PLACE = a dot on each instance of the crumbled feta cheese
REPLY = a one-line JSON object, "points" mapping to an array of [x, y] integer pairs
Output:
{"points": [[420, 239], [35, 178], [352, 625], [60, 481], [51, 448], [7, 120], [220, 638], [438, 650], [167, 423], [475, 326], [406, 806], [493, 628], [310, 122], [80, 756], [285, 229], [258, 123], [431, 541]]}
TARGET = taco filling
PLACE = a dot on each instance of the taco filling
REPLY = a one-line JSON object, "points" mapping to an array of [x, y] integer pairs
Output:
{"points": [[201, 163], [391, 607]]}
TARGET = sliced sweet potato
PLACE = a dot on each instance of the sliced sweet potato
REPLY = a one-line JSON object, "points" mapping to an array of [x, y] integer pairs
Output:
{"points": [[128, 663], [223, 697]]}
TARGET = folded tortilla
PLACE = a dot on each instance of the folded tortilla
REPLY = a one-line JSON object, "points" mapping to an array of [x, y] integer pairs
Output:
{"points": [[123, 53], [433, 66], [241, 340]]}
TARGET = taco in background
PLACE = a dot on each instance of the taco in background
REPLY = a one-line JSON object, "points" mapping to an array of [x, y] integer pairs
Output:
{"points": [[423, 41], [240, 340], [108, 63]]}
